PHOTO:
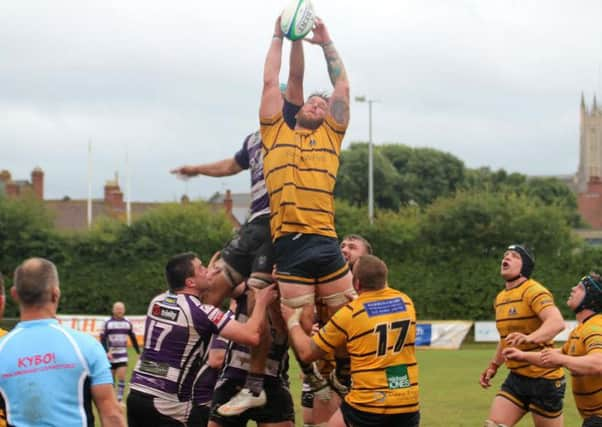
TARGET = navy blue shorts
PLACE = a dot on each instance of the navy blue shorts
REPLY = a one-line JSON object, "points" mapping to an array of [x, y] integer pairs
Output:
{"points": [[540, 396], [308, 259], [354, 417]]}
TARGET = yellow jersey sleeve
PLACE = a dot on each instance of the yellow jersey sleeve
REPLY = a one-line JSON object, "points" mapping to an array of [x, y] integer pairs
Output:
{"points": [[539, 298], [592, 338], [269, 128], [335, 132], [334, 334]]}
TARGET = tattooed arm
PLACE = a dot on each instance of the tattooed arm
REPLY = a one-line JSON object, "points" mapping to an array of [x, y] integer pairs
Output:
{"points": [[339, 101]]}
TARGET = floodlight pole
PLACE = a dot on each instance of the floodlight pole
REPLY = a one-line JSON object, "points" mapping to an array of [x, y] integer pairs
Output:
{"points": [[370, 158]]}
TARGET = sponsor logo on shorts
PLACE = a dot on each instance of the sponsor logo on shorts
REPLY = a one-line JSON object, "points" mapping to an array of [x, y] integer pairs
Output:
{"points": [[165, 312]]}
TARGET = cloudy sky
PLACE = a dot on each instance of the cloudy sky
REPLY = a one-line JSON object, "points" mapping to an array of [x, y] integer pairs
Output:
{"points": [[496, 83]]}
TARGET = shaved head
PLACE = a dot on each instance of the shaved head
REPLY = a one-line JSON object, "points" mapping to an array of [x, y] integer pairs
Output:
{"points": [[35, 279]]}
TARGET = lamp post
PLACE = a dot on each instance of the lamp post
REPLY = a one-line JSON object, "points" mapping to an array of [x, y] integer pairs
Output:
{"points": [[370, 158]]}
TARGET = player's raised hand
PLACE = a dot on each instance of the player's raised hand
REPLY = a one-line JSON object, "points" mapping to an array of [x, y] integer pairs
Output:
{"points": [[278, 28], [320, 33], [184, 171]]}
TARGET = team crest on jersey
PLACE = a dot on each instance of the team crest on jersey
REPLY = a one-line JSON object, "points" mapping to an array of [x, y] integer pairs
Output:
{"points": [[165, 312], [512, 311], [312, 142]]}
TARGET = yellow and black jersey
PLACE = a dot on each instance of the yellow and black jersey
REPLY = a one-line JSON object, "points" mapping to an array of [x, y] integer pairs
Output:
{"points": [[585, 339], [300, 169], [378, 330], [516, 310]]}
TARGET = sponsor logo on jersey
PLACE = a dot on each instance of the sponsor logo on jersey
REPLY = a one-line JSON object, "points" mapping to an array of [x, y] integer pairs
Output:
{"points": [[378, 308], [170, 300], [397, 377], [215, 316], [165, 312], [512, 311]]}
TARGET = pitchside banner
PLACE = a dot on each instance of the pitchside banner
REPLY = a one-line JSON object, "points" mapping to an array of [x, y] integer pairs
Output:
{"points": [[93, 324], [442, 334], [486, 331], [434, 334]]}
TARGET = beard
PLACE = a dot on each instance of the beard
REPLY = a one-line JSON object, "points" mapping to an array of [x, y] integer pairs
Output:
{"points": [[307, 123]]}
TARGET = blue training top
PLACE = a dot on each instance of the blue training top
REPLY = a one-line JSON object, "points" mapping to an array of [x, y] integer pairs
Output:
{"points": [[46, 371]]}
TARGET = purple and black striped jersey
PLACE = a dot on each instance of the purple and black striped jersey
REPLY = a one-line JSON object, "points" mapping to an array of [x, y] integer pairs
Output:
{"points": [[250, 157], [204, 383], [176, 337], [238, 357], [114, 339]]}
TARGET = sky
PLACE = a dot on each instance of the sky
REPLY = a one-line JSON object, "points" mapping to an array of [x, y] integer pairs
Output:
{"points": [[154, 85]]}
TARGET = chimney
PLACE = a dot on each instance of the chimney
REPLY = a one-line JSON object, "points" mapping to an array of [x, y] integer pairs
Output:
{"points": [[113, 195], [228, 202], [12, 189], [5, 176], [37, 182]]}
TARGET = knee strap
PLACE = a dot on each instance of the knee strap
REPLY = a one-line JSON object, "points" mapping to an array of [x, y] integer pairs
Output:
{"points": [[300, 301], [232, 276], [339, 299], [259, 282]]}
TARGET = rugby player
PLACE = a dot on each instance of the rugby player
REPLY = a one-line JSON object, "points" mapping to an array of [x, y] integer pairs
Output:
{"points": [[378, 330], [582, 353], [278, 411], [300, 169], [114, 339], [526, 318], [249, 254], [177, 334]]}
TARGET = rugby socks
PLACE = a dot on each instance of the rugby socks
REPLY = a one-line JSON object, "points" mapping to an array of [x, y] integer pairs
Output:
{"points": [[120, 388], [254, 383]]}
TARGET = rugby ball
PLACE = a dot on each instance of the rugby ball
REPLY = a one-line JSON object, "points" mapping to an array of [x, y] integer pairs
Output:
{"points": [[297, 19]]}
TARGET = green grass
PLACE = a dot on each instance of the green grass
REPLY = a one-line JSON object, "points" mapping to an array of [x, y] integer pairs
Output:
{"points": [[450, 395]]}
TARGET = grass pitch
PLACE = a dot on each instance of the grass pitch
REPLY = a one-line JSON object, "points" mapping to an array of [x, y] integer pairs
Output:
{"points": [[450, 395]]}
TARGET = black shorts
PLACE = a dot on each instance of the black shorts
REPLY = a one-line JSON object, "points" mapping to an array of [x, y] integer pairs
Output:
{"points": [[592, 422], [250, 250], [279, 407], [309, 259], [199, 416], [142, 412], [118, 365], [354, 417], [541, 396]]}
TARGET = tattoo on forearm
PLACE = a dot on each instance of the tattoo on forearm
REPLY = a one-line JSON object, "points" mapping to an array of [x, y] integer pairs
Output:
{"points": [[336, 69], [340, 110]]}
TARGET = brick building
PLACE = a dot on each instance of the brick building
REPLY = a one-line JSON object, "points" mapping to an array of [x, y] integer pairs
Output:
{"points": [[72, 214]]}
